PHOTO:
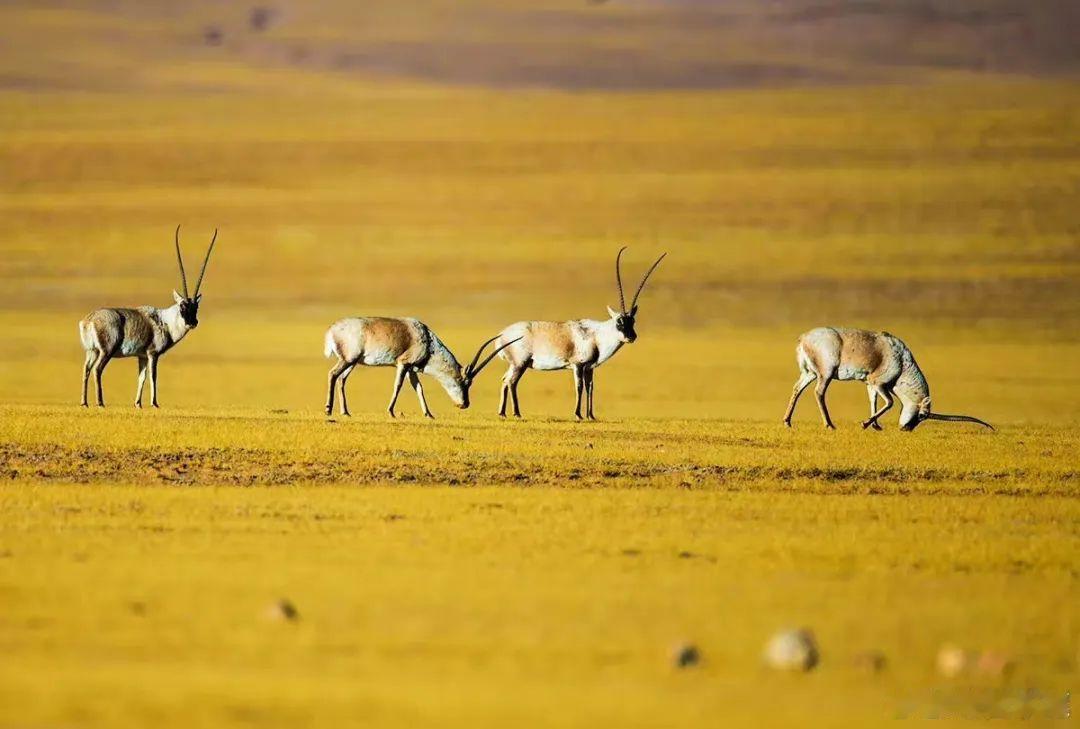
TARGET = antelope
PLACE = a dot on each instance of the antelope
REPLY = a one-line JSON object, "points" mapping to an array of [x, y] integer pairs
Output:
{"points": [[146, 332], [880, 360], [407, 344], [580, 345]]}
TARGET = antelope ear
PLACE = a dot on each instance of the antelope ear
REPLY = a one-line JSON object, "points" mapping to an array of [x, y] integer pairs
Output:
{"points": [[612, 313], [177, 297], [198, 298], [633, 311]]}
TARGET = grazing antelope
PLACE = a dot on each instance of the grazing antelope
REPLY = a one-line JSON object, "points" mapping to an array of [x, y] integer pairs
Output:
{"points": [[146, 333], [407, 344], [880, 360], [580, 345]]}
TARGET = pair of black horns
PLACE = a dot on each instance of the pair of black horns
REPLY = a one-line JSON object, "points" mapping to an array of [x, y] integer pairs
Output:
{"points": [[473, 370], [180, 261], [618, 280]]}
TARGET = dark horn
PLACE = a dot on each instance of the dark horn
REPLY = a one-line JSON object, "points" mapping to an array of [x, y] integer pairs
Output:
{"points": [[618, 280], [475, 371], [646, 278], [198, 284], [180, 260], [959, 419], [469, 369]]}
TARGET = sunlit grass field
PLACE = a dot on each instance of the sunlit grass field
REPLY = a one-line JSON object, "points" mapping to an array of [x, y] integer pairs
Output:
{"points": [[470, 572], [477, 572]]}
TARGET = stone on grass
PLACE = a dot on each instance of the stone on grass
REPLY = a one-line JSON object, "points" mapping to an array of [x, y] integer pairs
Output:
{"points": [[993, 664], [792, 650], [872, 661], [685, 655], [282, 611], [952, 661]]}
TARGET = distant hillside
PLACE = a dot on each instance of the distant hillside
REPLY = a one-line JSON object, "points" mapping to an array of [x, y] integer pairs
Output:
{"points": [[603, 44]]}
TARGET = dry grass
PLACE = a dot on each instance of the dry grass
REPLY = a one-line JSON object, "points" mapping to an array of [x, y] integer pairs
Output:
{"points": [[499, 605]]}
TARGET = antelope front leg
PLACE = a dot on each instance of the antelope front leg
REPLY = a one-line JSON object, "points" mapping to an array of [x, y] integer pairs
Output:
{"points": [[579, 386], [341, 383], [142, 381], [153, 361], [590, 378], [800, 384], [399, 380], [873, 421], [88, 366], [414, 380]]}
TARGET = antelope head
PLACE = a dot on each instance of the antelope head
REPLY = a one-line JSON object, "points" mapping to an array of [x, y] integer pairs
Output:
{"points": [[189, 304], [624, 320], [911, 418], [469, 372]]}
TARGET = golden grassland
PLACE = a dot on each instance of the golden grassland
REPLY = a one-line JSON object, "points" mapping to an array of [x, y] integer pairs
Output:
{"points": [[470, 571], [534, 572], [473, 572]]}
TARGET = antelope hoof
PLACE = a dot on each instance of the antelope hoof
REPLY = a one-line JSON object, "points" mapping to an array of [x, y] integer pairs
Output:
{"points": [[877, 426], [867, 423], [346, 414], [429, 415], [591, 417], [787, 423], [156, 406], [328, 411], [138, 406], [391, 413], [830, 426], [83, 404]]}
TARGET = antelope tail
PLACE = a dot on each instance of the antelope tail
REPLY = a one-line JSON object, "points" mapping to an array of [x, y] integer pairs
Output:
{"points": [[329, 345]]}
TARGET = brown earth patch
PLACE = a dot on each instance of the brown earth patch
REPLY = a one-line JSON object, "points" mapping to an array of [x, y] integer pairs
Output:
{"points": [[257, 467]]}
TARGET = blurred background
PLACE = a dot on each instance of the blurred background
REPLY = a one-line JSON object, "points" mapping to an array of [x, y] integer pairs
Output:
{"points": [[909, 165]]}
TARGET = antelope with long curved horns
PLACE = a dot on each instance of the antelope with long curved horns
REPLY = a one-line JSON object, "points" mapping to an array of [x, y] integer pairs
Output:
{"points": [[146, 332], [580, 345], [407, 344], [880, 360]]}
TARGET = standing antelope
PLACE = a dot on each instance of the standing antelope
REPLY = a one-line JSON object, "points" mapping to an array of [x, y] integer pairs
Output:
{"points": [[580, 345], [880, 360], [146, 333], [407, 344]]}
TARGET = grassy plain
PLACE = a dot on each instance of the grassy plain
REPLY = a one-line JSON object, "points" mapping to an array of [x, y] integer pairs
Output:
{"points": [[471, 572]]}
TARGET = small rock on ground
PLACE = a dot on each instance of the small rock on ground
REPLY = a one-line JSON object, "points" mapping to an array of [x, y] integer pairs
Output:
{"points": [[792, 650], [685, 655], [283, 611]]}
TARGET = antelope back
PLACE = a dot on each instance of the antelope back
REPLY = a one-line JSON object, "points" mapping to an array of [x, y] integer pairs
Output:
{"points": [[380, 340], [125, 332], [553, 340], [864, 350]]}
